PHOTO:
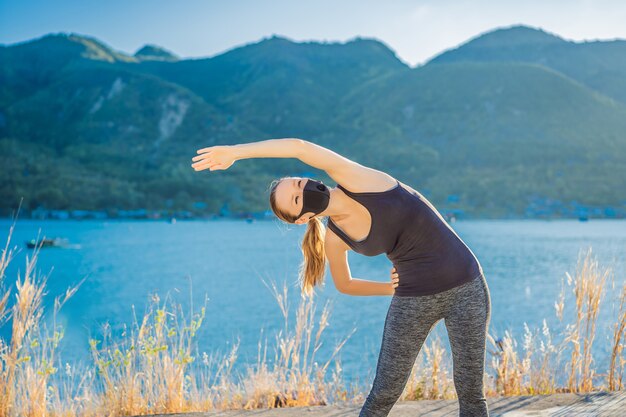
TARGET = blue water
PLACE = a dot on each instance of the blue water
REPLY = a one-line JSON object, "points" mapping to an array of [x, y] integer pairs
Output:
{"points": [[226, 260]]}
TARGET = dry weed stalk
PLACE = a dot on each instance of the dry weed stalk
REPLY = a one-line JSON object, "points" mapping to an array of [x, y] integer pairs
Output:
{"points": [[294, 378], [146, 372], [508, 368], [27, 362], [616, 367], [588, 287], [430, 377]]}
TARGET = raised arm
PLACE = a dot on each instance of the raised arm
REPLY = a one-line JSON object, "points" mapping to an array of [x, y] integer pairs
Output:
{"points": [[341, 169], [270, 148], [223, 156]]}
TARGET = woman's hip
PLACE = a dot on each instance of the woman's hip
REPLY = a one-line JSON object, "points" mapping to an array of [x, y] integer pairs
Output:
{"points": [[471, 295]]}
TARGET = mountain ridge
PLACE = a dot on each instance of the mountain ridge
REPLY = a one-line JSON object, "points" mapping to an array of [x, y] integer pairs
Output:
{"points": [[599, 64], [496, 134]]}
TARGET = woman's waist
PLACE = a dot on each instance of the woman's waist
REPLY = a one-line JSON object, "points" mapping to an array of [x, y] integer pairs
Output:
{"points": [[420, 252], [434, 262]]}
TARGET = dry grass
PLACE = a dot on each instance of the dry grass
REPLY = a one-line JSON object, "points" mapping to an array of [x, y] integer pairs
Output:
{"points": [[430, 377], [535, 365], [616, 367], [151, 367], [588, 288], [293, 377], [27, 361]]}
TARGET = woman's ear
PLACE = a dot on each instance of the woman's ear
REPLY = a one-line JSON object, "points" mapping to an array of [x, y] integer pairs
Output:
{"points": [[304, 219]]}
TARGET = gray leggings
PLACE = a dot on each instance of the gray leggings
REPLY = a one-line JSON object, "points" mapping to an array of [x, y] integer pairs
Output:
{"points": [[466, 310]]}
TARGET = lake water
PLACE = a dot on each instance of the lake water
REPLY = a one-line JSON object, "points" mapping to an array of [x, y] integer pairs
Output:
{"points": [[227, 260]]}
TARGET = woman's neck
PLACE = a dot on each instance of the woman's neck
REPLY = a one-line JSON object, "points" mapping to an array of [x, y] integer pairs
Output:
{"points": [[340, 206]]}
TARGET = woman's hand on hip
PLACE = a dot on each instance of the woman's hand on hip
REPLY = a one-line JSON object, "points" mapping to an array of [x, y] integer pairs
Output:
{"points": [[214, 158], [394, 278]]}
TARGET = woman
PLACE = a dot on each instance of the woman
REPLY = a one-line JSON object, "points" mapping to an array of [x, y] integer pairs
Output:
{"points": [[434, 275]]}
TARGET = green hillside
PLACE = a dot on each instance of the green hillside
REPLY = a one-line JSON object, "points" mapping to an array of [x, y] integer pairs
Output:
{"points": [[600, 65], [478, 129], [102, 116], [495, 133], [281, 87]]}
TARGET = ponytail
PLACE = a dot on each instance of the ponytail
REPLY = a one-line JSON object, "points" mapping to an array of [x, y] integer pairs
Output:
{"points": [[313, 267]]}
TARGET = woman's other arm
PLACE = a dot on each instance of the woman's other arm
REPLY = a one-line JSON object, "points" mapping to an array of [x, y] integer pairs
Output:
{"points": [[337, 254]]}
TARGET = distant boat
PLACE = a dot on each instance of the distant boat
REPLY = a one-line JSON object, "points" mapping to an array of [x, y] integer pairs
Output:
{"points": [[46, 243], [172, 220]]}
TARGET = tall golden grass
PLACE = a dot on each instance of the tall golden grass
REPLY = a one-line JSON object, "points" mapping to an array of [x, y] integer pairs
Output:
{"points": [[535, 365], [154, 366], [27, 361]]}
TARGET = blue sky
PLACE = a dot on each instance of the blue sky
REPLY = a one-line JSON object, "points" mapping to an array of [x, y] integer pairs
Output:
{"points": [[416, 30]]}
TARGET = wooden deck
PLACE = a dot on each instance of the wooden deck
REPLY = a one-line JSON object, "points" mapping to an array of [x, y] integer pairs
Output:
{"points": [[605, 404]]}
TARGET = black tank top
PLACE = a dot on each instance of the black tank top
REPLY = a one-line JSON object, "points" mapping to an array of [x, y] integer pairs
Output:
{"points": [[428, 254]]}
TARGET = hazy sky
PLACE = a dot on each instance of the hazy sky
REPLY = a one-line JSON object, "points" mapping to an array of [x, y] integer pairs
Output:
{"points": [[415, 30]]}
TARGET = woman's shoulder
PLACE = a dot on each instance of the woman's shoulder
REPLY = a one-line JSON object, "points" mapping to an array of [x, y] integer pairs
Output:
{"points": [[368, 183], [388, 189], [358, 178]]}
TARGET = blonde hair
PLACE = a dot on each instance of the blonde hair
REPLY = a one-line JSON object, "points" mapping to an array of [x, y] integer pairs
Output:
{"points": [[313, 267]]}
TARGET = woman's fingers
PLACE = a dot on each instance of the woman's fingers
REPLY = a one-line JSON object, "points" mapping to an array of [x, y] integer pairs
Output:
{"points": [[198, 167], [395, 279], [204, 162], [200, 157], [203, 157], [201, 161], [209, 166], [214, 157]]}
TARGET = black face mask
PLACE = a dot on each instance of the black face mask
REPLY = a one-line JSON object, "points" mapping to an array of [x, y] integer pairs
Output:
{"points": [[315, 197]]}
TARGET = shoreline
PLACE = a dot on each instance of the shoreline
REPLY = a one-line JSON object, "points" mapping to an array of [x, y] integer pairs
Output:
{"points": [[269, 219]]}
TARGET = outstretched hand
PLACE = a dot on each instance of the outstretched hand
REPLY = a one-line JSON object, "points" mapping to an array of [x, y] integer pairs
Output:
{"points": [[214, 157]]}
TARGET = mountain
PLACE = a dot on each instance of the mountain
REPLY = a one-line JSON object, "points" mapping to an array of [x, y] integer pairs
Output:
{"points": [[156, 53], [507, 121], [279, 86], [27, 67], [132, 124], [493, 132], [600, 65]]}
